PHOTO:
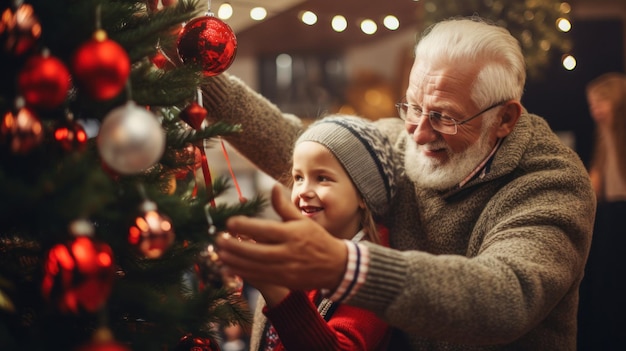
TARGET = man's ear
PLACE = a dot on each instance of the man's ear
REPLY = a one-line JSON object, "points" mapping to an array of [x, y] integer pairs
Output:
{"points": [[509, 116]]}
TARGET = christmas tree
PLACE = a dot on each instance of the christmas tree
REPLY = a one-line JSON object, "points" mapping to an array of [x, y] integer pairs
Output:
{"points": [[106, 239]]}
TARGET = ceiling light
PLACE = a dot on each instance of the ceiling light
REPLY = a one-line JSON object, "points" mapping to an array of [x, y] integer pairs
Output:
{"points": [[225, 11], [368, 26], [258, 13], [309, 18], [391, 22], [339, 23]]}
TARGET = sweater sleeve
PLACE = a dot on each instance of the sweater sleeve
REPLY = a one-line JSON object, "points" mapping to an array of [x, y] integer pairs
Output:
{"points": [[267, 136], [301, 327]]}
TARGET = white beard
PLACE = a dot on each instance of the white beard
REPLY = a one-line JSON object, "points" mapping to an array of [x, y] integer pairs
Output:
{"points": [[430, 173]]}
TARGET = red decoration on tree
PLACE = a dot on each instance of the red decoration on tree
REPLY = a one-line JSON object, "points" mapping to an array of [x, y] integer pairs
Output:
{"points": [[151, 233], [19, 30], [79, 274], [21, 131], [211, 275], [159, 59], [192, 156], [209, 42], [70, 135], [194, 343], [44, 81], [157, 5], [194, 115], [101, 67]]}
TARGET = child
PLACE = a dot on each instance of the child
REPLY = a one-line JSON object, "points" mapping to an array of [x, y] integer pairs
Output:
{"points": [[343, 177]]}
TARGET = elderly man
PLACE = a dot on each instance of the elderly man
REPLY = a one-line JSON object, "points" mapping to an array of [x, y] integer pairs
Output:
{"points": [[492, 224]]}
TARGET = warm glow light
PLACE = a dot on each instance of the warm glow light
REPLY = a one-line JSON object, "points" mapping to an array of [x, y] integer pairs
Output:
{"points": [[339, 23], [563, 24], [369, 27], [569, 62], [391, 22], [373, 97], [309, 18], [258, 13], [225, 11], [283, 61], [565, 7]]}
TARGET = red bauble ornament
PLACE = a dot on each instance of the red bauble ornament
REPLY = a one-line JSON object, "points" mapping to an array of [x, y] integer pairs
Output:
{"points": [[19, 30], [79, 274], [194, 343], [159, 60], [71, 136], [44, 81], [101, 67], [21, 132], [209, 42], [191, 155], [194, 115], [151, 233]]}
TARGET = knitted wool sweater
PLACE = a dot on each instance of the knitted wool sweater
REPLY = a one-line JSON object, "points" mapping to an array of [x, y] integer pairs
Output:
{"points": [[495, 265]]}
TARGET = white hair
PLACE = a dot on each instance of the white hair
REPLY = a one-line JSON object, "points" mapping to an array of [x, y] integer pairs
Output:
{"points": [[460, 41]]}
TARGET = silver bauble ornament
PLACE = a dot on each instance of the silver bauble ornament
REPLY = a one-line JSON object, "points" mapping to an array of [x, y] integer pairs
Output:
{"points": [[131, 139]]}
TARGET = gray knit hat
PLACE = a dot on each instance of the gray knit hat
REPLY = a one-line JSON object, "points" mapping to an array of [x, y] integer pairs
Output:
{"points": [[364, 152]]}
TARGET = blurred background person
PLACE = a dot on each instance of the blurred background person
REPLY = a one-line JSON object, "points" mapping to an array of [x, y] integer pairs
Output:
{"points": [[602, 304]]}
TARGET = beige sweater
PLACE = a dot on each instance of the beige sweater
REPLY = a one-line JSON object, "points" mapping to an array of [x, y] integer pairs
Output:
{"points": [[494, 266]]}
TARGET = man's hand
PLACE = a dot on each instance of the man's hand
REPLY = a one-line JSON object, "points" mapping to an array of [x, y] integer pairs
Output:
{"points": [[297, 253]]}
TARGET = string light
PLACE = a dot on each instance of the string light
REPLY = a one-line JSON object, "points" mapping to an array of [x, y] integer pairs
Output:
{"points": [[391, 22], [258, 13], [309, 17], [569, 62], [368, 26], [225, 11], [563, 24], [339, 23]]}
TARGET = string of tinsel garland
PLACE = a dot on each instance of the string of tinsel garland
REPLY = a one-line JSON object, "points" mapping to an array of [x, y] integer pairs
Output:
{"points": [[532, 22]]}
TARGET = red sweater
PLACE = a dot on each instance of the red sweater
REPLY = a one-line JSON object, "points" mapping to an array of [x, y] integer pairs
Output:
{"points": [[300, 326]]}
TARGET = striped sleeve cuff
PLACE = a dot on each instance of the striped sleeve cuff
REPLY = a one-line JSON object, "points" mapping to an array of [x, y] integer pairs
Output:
{"points": [[356, 272]]}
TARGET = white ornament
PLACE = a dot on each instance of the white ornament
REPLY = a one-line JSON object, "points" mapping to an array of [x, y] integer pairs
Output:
{"points": [[131, 139]]}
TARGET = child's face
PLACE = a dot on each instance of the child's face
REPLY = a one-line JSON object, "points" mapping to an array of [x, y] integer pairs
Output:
{"points": [[323, 191]]}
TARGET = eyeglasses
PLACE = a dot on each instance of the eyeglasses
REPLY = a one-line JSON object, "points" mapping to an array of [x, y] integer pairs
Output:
{"points": [[447, 125]]}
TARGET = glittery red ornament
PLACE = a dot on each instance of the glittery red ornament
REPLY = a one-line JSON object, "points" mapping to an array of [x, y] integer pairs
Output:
{"points": [[194, 115], [19, 30], [194, 343], [151, 233], [101, 67], [190, 155], [21, 132], [79, 274], [209, 42], [44, 81], [70, 135]]}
